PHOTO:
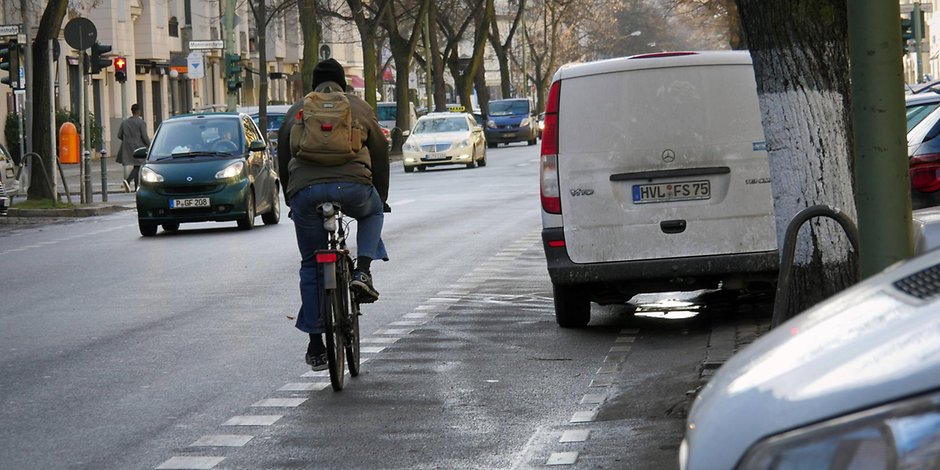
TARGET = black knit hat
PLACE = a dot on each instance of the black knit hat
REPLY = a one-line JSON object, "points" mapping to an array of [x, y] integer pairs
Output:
{"points": [[329, 70]]}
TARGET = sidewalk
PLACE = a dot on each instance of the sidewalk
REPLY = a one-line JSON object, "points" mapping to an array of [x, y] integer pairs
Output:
{"points": [[117, 199]]}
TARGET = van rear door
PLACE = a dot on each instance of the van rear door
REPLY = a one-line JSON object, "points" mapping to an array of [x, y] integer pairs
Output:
{"points": [[663, 161]]}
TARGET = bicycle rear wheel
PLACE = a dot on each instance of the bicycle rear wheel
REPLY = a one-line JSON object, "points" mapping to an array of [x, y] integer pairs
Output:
{"points": [[352, 322], [335, 346]]}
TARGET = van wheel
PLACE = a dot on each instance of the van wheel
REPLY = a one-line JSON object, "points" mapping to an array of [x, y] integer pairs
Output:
{"points": [[572, 306], [491, 145]]}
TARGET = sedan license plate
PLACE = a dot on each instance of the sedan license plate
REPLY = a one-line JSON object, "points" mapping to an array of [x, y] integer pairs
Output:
{"points": [[189, 203], [670, 192], [435, 156]]}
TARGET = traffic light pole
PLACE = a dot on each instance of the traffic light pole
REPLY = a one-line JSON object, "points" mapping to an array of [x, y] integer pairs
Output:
{"points": [[231, 96], [918, 34], [882, 196]]}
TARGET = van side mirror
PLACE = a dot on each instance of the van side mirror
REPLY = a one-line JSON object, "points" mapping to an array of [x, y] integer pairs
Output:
{"points": [[257, 146], [140, 153]]}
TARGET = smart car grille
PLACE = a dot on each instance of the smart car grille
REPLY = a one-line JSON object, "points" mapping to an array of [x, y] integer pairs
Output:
{"points": [[435, 147], [190, 189], [922, 284]]}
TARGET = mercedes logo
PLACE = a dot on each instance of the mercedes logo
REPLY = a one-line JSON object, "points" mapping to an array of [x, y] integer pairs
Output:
{"points": [[190, 178], [669, 156]]}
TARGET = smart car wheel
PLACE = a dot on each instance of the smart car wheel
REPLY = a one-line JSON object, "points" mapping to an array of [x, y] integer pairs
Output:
{"points": [[273, 216], [171, 226], [572, 306], [147, 229], [247, 222]]}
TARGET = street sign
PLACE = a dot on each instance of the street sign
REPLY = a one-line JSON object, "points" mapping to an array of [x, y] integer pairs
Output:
{"points": [[206, 45], [9, 30], [80, 33], [195, 65], [909, 7]]}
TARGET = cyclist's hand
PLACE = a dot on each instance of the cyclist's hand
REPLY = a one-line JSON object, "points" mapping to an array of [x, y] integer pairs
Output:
{"points": [[386, 208]]}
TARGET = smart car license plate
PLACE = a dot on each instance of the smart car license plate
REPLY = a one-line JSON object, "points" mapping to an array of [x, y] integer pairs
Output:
{"points": [[669, 192], [435, 156], [189, 203]]}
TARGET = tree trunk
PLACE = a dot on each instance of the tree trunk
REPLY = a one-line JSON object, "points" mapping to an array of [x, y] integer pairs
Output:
{"points": [[437, 63], [311, 34], [483, 93], [800, 54], [49, 27], [261, 26], [369, 65], [480, 40]]}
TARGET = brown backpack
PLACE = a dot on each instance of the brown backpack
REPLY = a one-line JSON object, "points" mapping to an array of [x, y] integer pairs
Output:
{"points": [[327, 133]]}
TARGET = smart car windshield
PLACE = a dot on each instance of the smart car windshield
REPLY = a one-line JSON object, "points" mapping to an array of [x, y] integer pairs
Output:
{"points": [[198, 137], [440, 124], [509, 107]]}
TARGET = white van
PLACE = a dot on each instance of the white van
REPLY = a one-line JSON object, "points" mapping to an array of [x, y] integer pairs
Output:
{"points": [[654, 177]]}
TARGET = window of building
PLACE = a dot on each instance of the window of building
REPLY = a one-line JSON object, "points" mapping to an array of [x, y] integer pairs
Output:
{"points": [[174, 27], [187, 12]]}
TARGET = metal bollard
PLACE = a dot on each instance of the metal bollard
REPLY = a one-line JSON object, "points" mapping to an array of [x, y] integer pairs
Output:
{"points": [[86, 179], [104, 176]]}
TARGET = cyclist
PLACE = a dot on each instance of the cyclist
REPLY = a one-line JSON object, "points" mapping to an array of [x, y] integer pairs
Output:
{"points": [[359, 186]]}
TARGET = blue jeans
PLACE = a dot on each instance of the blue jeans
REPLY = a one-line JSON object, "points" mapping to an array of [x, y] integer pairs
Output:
{"points": [[357, 200]]}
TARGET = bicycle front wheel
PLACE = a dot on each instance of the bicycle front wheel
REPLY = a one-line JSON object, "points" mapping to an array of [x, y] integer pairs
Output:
{"points": [[332, 314]]}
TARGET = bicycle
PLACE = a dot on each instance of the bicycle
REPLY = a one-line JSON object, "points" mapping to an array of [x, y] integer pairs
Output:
{"points": [[339, 310]]}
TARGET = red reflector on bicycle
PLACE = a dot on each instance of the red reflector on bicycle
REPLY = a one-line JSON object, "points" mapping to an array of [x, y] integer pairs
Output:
{"points": [[326, 257]]}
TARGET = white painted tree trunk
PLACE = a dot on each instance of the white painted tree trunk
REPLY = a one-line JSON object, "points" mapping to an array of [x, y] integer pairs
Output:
{"points": [[800, 58]]}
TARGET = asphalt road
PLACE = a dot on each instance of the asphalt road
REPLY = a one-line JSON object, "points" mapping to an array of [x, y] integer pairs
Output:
{"points": [[179, 351]]}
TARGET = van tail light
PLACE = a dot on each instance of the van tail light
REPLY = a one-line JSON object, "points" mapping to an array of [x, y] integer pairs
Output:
{"points": [[551, 192], [925, 172]]}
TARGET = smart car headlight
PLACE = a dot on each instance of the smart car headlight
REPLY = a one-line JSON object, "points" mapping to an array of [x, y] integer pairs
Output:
{"points": [[150, 176], [230, 171], [902, 435]]}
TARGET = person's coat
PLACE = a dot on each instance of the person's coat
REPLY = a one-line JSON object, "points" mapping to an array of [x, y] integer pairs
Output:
{"points": [[133, 135]]}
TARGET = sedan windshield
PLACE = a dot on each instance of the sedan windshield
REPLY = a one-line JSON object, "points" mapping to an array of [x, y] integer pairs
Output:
{"points": [[508, 108], [443, 124], [198, 137]]}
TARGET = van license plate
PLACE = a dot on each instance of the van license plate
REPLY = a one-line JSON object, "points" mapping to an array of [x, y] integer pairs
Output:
{"points": [[188, 203], [669, 192]]}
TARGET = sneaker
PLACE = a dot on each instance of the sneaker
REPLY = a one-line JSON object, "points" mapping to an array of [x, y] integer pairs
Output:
{"points": [[316, 361], [361, 285]]}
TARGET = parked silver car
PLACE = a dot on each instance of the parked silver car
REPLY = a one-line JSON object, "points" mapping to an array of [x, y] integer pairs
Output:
{"points": [[851, 383]]}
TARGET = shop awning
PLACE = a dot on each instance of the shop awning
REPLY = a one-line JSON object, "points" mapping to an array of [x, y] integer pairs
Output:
{"points": [[357, 83]]}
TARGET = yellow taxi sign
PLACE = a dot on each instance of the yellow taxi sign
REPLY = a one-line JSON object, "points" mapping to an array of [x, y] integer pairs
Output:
{"points": [[456, 108]]}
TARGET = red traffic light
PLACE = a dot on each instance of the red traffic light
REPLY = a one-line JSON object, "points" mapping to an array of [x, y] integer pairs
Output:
{"points": [[120, 64]]}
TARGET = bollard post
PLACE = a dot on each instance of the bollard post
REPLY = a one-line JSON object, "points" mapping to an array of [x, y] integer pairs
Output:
{"points": [[104, 176], [86, 193]]}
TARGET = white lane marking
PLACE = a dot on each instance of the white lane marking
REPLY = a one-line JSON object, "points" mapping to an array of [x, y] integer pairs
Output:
{"points": [[190, 463], [601, 382], [404, 323], [222, 440], [583, 417], [401, 203], [427, 307], [562, 458], [620, 349], [398, 331], [377, 340], [625, 339], [522, 164], [615, 358], [252, 420], [279, 402], [419, 315], [453, 292], [316, 373], [608, 369], [593, 399], [371, 349], [304, 387], [579, 435]]}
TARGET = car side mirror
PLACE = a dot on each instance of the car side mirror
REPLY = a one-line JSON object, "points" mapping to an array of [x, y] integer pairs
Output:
{"points": [[405, 133], [140, 153], [257, 146]]}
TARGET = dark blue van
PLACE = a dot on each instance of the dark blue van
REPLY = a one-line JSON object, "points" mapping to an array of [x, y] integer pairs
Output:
{"points": [[511, 120]]}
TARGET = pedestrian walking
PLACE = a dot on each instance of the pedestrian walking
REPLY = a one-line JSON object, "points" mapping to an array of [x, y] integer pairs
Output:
{"points": [[133, 135]]}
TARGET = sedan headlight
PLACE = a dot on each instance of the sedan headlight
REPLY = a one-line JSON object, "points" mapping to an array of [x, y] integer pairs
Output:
{"points": [[409, 146], [902, 435], [490, 124], [230, 171], [150, 176], [464, 143]]}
